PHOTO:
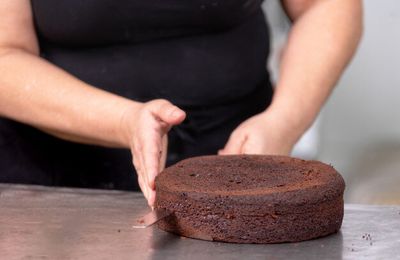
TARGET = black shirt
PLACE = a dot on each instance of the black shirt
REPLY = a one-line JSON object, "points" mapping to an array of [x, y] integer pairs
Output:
{"points": [[208, 57]]}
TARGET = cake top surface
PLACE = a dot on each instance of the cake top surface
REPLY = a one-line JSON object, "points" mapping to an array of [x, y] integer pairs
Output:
{"points": [[232, 175]]}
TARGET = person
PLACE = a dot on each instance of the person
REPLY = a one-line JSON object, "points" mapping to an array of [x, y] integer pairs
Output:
{"points": [[84, 83]]}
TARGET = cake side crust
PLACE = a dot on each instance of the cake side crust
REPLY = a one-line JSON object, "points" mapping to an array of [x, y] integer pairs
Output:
{"points": [[249, 224], [289, 200]]}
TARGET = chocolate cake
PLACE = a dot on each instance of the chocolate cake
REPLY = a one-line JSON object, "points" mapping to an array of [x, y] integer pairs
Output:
{"points": [[250, 199]]}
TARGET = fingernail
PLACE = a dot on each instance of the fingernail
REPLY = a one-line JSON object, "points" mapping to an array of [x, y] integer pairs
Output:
{"points": [[176, 112]]}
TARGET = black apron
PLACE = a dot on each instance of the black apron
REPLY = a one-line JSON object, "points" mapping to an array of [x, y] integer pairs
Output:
{"points": [[207, 57]]}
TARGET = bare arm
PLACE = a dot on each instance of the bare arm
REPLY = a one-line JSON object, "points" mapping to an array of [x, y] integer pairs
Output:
{"points": [[322, 40], [38, 93]]}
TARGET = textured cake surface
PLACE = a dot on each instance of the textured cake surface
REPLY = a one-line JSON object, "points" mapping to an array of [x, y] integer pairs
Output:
{"points": [[250, 198]]}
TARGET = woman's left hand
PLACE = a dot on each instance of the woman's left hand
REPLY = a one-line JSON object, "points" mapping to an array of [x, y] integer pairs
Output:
{"points": [[265, 133]]}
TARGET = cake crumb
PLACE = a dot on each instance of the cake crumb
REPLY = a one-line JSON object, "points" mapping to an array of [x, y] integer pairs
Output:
{"points": [[367, 236]]}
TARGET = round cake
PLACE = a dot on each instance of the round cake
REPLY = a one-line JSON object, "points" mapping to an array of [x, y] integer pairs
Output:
{"points": [[250, 198]]}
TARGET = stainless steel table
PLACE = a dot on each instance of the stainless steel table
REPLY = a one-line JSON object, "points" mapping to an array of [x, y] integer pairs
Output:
{"points": [[56, 223]]}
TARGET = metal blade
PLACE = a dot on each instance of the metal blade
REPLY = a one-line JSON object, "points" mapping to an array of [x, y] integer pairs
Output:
{"points": [[151, 218]]}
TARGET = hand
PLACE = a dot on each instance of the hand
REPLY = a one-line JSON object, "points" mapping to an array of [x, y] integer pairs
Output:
{"points": [[265, 133], [147, 128]]}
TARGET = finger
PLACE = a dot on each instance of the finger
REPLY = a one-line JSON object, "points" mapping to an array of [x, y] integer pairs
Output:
{"points": [[152, 198], [139, 174], [234, 145], [142, 169], [167, 112], [249, 149], [161, 164], [138, 167], [151, 159], [251, 146], [140, 181], [164, 151], [142, 186]]}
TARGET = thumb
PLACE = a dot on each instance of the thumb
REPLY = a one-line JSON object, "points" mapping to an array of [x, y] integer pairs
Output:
{"points": [[167, 112], [234, 145]]}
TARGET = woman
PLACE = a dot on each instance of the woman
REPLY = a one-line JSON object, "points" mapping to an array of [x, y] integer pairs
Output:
{"points": [[80, 79]]}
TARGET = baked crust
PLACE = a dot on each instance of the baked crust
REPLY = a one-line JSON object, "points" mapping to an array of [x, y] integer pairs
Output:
{"points": [[250, 198]]}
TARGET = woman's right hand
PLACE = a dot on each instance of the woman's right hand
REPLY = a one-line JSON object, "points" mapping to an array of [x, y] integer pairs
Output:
{"points": [[146, 129]]}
